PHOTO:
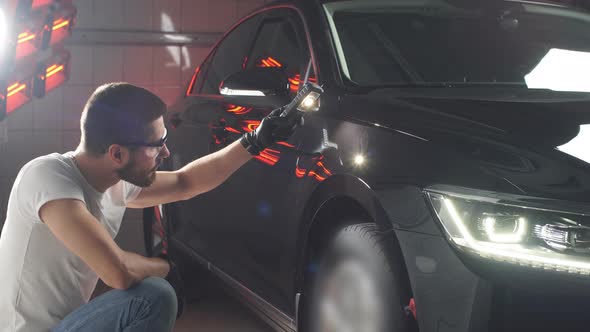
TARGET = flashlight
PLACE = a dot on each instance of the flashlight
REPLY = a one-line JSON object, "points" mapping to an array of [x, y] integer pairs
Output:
{"points": [[306, 100]]}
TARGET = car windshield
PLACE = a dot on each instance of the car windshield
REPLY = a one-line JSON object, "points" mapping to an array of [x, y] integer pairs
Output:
{"points": [[446, 43]]}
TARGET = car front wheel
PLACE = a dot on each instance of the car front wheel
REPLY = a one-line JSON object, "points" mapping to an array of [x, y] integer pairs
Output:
{"points": [[357, 285]]}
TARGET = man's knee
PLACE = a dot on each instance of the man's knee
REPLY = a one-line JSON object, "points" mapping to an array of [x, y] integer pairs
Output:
{"points": [[160, 294]]}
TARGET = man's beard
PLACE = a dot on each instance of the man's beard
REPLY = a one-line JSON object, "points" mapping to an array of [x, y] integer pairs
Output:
{"points": [[137, 177]]}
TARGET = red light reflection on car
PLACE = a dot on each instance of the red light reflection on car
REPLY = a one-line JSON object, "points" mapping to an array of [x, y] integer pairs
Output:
{"points": [[294, 81], [233, 130], [250, 125], [319, 173], [239, 110], [286, 144], [269, 156], [269, 62], [191, 85]]}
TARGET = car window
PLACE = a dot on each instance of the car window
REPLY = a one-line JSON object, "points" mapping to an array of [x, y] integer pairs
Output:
{"points": [[389, 43], [229, 56], [281, 42]]}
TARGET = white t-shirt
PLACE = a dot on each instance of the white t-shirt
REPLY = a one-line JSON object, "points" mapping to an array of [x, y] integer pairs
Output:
{"points": [[41, 281]]}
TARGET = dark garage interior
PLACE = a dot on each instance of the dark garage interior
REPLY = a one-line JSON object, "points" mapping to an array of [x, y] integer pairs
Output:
{"points": [[427, 169]]}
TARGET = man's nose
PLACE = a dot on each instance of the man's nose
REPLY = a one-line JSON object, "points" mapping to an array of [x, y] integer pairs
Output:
{"points": [[165, 153]]}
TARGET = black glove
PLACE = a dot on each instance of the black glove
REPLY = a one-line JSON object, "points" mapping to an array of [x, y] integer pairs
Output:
{"points": [[175, 280], [272, 129]]}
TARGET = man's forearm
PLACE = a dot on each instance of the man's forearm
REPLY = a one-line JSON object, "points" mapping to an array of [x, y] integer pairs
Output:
{"points": [[139, 267], [208, 172]]}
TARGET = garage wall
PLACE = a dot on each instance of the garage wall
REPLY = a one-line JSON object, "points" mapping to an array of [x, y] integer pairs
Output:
{"points": [[51, 124]]}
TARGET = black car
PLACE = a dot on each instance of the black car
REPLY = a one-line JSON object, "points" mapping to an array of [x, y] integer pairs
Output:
{"points": [[442, 184]]}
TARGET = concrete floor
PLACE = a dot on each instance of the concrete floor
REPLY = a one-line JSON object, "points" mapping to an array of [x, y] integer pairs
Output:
{"points": [[212, 310], [221, 314]]}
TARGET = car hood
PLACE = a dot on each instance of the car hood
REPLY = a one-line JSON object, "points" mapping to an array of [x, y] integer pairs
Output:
{"points": [[544, 118]]}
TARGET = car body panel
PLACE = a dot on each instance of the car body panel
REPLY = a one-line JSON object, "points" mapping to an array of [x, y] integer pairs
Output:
{"points": [[254, 230]]}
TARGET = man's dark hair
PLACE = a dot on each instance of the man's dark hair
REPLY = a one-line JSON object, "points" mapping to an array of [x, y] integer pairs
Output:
{"points": [[117, 113]]}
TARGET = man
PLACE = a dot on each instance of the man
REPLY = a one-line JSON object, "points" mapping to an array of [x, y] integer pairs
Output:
{"points": [[65, 210]]}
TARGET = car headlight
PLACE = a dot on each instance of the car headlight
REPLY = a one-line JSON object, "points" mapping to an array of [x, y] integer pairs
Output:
{"points": [[527, 236]]}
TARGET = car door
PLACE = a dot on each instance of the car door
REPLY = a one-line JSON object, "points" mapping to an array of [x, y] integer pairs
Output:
{"points": [[242, 222], [199, 130]]}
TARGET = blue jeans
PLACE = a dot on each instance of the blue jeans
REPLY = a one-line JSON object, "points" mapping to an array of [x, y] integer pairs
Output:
{"points": [[150, 305]]}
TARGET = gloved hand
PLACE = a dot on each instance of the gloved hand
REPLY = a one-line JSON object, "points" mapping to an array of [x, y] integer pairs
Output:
{"points": [[272, 129], [175, 280]]}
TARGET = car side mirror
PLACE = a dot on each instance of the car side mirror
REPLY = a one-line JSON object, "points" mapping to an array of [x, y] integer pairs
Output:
{"points": [[253, 86]]}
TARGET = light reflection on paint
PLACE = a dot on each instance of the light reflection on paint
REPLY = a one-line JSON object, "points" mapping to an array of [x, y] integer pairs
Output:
{"points": [[300, 172], [191, 85], [359, 160], [269, 156], [320, 172], [250, 125], [286, 144], [294, 82], [578, 146], [269, 62], [232, 130], [239, 110], [324, 168]]}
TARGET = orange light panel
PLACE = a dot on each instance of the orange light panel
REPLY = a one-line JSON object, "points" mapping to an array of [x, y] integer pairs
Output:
{"points": [[40, 3], [53, 70], [16, 88], [25, 36], [58, 24]]}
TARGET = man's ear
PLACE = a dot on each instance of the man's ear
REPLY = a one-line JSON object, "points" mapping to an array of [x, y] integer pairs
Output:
{"points": [[118, 154]]}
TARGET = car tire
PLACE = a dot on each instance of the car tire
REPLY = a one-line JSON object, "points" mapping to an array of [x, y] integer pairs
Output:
{"points": [[357, 286]]}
